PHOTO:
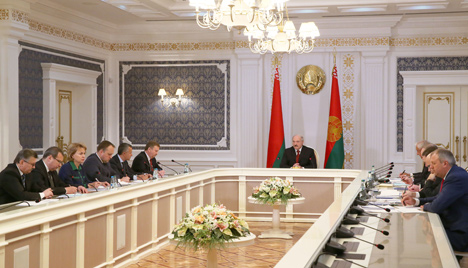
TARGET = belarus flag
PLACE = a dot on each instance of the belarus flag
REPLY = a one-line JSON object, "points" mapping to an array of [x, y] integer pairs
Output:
{"points": [[334, 153], [276, 139]]}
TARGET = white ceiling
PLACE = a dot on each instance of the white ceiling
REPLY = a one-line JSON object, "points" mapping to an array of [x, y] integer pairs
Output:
{"points": [[131, 12]]}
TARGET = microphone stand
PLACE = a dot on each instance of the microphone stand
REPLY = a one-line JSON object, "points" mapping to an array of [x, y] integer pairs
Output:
{"points": [[177, 173], [181, 164], [14, 204]]}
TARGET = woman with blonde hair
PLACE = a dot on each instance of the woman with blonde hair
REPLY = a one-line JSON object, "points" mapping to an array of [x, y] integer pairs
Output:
{"points": [[72, 173]]}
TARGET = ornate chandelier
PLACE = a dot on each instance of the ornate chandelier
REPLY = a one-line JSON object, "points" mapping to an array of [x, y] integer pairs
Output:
{"points": [[238, 13], [282, 38]]}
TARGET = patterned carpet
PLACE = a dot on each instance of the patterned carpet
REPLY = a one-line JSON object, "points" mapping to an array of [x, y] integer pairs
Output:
{"points": [[264, 253]]}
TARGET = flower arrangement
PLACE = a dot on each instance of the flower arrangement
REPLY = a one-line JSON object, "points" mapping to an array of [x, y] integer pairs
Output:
{"points": [[275, 189], [209, 227]]}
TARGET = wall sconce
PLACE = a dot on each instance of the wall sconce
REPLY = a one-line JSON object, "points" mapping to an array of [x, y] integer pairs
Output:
{"points": [[174, 102]]}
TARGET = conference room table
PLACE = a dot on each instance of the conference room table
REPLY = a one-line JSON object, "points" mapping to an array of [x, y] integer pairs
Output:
{"points": [[117, 227]]}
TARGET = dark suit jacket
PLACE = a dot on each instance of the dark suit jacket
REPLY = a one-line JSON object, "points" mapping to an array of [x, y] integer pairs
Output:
{"points": [[40, 180], [306, 158], [11, 187], [140, 164], [431, 188], [95, 169], [452, 206], [122, 169], [421, 177]]}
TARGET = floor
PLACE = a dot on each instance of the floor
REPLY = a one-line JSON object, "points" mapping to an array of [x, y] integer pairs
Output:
{"points": [[264, 253]]}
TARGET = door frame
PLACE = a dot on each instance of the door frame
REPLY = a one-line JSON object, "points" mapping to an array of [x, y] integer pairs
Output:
{"points": [[52, 73], [413, 81]]}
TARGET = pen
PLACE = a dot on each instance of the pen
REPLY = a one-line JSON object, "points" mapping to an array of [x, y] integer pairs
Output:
{"points": [[403, 172]]}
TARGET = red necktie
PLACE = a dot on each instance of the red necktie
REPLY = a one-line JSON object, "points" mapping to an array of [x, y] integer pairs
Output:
{"points": [[441, 184], [297, 156]]}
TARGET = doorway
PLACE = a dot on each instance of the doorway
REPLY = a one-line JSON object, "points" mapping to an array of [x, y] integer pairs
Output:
{"points": [[70, 106]]}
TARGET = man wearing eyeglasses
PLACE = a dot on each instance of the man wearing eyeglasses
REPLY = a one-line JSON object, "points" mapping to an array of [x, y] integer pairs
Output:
{"points": [[13, 183], [45, 174]]}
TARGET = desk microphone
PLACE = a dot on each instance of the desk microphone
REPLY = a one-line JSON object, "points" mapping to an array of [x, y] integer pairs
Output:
{"points": [[159, 163], [181, 164], [383, 180], [16, 203], [344, 232], [360, 211], [93, 187], [321, 265], [390, 165], [350, 220], [364, 203]]}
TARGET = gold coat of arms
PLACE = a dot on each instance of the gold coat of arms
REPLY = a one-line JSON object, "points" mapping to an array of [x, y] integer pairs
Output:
{"points": [[310, 79]]}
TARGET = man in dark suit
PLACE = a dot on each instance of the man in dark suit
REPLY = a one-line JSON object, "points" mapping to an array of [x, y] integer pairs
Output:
{"points": [[419, 178], [13, 182], [145, 162], [452, 201], [97, 166], [432, 184], [298, 156], [119, 163], [45, 174]]}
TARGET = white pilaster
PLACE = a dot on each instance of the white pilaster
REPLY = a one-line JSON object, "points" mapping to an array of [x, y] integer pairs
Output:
{"points": [[49, 108], [249, 108], [374, 110], [10, 32]]}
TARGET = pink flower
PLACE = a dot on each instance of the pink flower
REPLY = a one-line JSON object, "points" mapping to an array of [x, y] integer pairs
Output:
{"points": [[221, 226]]}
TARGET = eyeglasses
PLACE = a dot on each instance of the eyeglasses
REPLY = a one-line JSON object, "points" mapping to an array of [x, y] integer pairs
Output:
{"points": [[32, 164], [60, 162]]}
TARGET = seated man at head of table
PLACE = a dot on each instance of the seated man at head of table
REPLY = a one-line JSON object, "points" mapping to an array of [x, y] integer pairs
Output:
{"points": [[45, 174], [145, 162], [13, 182], [119, 163], [452, 201], [418, 177], [432, 185], [97, 166], [298, 156]]}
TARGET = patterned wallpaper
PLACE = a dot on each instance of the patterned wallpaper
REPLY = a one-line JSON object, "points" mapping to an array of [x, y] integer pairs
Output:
{"points": [[30, 90], [421, 64], [202, 122]]}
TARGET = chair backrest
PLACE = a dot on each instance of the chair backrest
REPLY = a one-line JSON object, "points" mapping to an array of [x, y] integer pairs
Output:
{"points": [[317, 158]]}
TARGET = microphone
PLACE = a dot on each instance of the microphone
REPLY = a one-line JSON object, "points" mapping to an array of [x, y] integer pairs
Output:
{"points": [[383, 180], [385, 166], [15, 203], [159, 163], [344, 232], [93, 187], [350, 220], [363, 203], [360, 211], [379, 246], [181, 164]]}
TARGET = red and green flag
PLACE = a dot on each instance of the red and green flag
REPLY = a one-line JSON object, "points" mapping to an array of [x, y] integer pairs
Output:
{"points": [[334, 152], [276, 139]]}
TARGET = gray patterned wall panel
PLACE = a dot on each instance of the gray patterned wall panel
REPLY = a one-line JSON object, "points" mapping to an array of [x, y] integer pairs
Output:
{"points": [[421, 64], [30, 89], [202, 122]]}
